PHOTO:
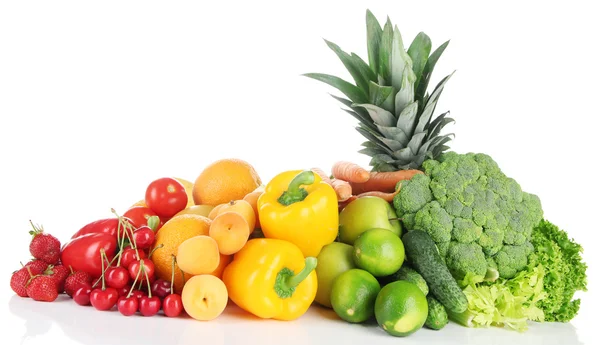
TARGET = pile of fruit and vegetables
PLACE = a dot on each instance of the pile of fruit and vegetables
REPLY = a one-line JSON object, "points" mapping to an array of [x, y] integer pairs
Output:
{"points": [[424, 237]]}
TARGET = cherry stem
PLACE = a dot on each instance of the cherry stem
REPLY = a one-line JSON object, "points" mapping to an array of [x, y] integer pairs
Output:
{"points": [[134, 281], [127, 228], [172, 271], [103, 271], [147, 278], [155, 248], [182, 276]]}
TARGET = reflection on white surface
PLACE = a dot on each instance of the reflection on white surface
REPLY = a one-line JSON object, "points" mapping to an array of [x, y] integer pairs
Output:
{"points": [[68, 323]]}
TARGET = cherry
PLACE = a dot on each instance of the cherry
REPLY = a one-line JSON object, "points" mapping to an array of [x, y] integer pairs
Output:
{"points": [[146, 272], [161, 288], [172, 305], [81, 296], [143, 237], [149, 306], [124, 291], [130, 255], [138, 294], [117, 277], [104, 299], [128, 305]]}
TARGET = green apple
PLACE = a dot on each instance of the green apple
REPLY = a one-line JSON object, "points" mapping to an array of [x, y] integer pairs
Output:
{"points": [[333, 260], [366, 213]]}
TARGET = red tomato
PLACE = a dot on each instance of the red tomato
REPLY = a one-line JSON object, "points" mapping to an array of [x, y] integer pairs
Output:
{"points": [[166, 196], [139, 216], [83, 253]]}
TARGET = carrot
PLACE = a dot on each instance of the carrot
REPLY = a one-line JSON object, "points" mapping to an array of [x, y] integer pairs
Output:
{"points": [[383, 181], [343, 204], [322, 174], [350, 172], [389, 197], [342, 189]]}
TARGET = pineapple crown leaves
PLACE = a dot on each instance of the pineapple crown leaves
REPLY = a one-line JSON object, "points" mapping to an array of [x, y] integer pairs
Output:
{"points": [[389, 97]]}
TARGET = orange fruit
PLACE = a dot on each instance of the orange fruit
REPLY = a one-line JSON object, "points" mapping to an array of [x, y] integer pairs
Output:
{"points": [[174, 232], [225, 180]]}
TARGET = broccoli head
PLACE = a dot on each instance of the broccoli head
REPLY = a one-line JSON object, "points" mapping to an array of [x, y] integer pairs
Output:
{"points": [[480, 219]]}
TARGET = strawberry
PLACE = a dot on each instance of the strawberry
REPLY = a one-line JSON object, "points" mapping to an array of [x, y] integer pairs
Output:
{"points": [[19, 280], [44, 246], [76, 280], [42, 288], [59, 273], [36, 266]]}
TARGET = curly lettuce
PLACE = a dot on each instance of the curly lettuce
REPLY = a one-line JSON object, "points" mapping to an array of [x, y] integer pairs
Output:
{"points": [[565, 271], [504, 302]]}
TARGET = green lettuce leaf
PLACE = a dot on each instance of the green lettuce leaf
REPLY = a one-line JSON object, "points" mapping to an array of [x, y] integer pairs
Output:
{"points": [[503, 303]]}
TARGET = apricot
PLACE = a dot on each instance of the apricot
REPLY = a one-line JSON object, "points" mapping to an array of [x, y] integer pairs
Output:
{"points": [[215, 211], [244, 208], [224, 260], [204, 297], [252, 199], [231, 231], [198, 255]]}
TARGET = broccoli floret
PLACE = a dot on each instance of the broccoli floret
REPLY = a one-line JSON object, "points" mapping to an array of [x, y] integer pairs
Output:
{"points": [[454, 207], [491, 241], [415, 194], [512, 259], [474, 212], [465, 230], [465, 257], [443, 248], [434, 220]]}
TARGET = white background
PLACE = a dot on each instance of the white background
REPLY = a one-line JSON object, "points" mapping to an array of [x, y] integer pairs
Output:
{"points": [[97, 99]]}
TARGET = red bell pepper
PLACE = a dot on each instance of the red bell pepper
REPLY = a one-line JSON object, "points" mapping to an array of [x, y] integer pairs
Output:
{"points": [[82, 252]]}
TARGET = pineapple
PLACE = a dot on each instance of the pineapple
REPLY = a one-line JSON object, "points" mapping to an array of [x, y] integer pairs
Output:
{"points": [[390, 99]]}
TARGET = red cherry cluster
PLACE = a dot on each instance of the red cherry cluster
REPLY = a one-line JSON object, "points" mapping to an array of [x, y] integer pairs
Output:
{"points": [[130, 284]]}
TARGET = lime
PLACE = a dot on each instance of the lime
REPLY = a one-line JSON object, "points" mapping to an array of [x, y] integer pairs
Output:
{"points": [[379, 251], [334, 259], [401, 308], [353, 295]]}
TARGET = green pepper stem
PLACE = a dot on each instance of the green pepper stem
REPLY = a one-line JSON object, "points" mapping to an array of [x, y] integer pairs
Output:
{"points": [[294, 193], [309, 265]]}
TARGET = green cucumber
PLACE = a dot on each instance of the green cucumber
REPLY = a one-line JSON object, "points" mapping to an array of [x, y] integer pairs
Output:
{"points": [[409, 274], [437, 317], [424, 257]]}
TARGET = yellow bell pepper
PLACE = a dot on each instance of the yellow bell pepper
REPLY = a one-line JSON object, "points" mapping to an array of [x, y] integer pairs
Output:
{"points": [[271, 279], [297, 206]]}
